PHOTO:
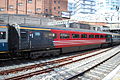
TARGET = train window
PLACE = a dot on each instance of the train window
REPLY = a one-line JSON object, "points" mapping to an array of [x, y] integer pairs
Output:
{"points": [[37, 33], [108, 36], [64, 36], [75, 35], [53, 35], [91, 36], [84, 36], [49, 35], [96, 36], [101, 36], [23, 35], [2, 35]]}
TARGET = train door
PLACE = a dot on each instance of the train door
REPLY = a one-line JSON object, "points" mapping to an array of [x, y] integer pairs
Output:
{"points": [[108, 38], [3, 38], [48, 39], [24, 39], [40, 40], [13, 37], [35, 39]]}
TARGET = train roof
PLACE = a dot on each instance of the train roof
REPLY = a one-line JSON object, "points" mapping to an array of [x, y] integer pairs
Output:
{"points": [[63, 28]]}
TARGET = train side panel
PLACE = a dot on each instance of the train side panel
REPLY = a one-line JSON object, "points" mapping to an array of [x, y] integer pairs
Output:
{"points": [[76, 41], [36, 38], [30, 39], [41, 41], [3, 38]]}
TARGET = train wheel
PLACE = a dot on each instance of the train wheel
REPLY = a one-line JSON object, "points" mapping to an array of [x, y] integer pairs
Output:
{"points": [[26, 55], [33, 55]]}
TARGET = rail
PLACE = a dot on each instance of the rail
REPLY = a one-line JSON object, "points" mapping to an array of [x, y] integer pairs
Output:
{"points": [[62, 62]]}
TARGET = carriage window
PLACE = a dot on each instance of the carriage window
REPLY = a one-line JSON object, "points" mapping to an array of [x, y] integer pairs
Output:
{"points": [[75, 35], [91, 36], [37, 33], [2, 35], [23, 35], [49, 35], [84, 36], [108, 36], [64, 35], [96, 36], [53, 35], [101, 36]]}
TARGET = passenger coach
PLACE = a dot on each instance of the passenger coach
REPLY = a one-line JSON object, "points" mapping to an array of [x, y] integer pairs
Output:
{"points": [[33, 41]]}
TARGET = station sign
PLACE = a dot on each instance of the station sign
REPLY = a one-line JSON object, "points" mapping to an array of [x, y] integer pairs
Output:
{"points": [[61, 22], [65, 14]]}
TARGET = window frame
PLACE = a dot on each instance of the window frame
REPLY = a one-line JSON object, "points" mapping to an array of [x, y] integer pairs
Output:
{"points": [[54, 2], [97, 36], [59, 2], [91, 36], [3, 37], [83, 35], [54, 8], [23, 35], [63, 35], [29, 1], [76, 37], [102, 36]]}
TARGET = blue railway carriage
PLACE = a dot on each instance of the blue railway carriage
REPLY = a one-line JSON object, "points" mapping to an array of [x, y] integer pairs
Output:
{"points": [[115, 39], [3, 38], [17, 40]]}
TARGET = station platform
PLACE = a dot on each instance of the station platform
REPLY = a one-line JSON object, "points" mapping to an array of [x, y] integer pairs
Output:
{"points": [[114, 75]]}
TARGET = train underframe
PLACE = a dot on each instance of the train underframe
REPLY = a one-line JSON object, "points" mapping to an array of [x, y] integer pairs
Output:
{"points": [[53, 52]]}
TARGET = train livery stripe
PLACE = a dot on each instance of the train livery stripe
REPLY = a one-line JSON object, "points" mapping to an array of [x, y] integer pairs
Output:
{"points": [[67, 43], [34, 28], [3, 27], [28, 28], [4, 51]]}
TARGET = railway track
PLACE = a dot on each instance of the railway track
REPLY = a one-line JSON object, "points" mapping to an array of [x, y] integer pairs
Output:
{"points": [[59, 66], [100, 71], [44, 63]]}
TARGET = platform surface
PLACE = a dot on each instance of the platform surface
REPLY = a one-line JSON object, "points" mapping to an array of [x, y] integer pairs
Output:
{"points": [[117, 75], [114, 75]]}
